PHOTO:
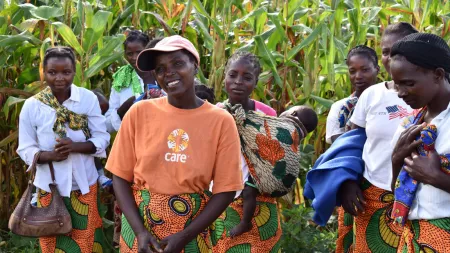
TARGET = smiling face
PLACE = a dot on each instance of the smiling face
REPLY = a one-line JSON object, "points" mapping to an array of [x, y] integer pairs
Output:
{"points": [[240, 81], [416, 86], [362, 72], [175, 73], [387, 42], [132, 51], [59, 73]]}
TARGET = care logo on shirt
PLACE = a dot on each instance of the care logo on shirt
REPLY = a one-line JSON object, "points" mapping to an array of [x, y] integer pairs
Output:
{"points": [[178, 141]]}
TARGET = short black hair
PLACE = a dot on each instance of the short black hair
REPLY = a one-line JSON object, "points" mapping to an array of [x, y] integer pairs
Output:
{"points": [[308, 117], [190, 55], [363, 51], [153, 42], [242, 55], [401, 29], [60, 52], [136, 35], [204, 92]]}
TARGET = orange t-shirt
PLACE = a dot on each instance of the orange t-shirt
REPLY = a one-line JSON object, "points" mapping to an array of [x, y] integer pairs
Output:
{"points": [[174, 151]]}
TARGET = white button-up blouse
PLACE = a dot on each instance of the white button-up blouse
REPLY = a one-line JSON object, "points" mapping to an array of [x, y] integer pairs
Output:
{"points": [[36, 122]]}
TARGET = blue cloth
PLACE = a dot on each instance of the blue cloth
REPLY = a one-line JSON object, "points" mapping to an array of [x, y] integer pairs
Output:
{"points": [[149, 86], [341, 162]]}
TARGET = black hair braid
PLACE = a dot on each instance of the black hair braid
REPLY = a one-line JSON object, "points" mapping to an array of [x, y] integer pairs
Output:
{"points": [[363, 51], [60, 52], [401, 29], [135, 35], [251, 58]]}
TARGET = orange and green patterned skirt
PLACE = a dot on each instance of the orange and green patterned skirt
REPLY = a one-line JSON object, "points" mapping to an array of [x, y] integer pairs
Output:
{"points": [[344, 242], [263, 237], [375, 231], [86, 235], [166, 215], [426, 236]]}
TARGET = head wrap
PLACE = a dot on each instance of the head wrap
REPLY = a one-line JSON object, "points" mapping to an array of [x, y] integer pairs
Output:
{"points": [[425, 50]]}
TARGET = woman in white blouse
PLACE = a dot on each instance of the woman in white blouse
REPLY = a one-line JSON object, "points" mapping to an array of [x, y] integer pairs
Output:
{"points": [[420, 67], [129, 82], [65, 123]]}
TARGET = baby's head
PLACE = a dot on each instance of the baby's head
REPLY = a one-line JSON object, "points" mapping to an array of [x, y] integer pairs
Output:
{"points": [[104, 104], [306, 115]]}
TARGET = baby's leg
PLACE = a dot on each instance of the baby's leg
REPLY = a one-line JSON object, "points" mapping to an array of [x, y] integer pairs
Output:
{"points": [[249, 194]]}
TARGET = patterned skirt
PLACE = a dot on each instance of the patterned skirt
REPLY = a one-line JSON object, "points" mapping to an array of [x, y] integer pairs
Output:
{"points": [[431, 236], [166, 215], [344, 242], [87, 234], [263, 237], [375, 230]]}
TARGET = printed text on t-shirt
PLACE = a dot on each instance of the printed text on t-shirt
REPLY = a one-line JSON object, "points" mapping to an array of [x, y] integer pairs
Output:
{"points": [[178, 141]]}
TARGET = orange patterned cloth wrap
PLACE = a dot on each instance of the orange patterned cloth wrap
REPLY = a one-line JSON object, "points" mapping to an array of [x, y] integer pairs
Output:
{"points": [[431, 236], [270, 147], [375, 230], [87, 234], [264, 235], [166, 215], [344, 242]]}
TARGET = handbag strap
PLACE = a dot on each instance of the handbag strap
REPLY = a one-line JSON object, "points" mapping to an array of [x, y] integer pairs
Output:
{"points": [[33, 168]]}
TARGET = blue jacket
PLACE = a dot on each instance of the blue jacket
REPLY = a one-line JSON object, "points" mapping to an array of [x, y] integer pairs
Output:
{"points": [[341, 162]]}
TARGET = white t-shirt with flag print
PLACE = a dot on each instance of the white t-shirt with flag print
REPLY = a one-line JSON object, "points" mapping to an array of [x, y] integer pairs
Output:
{"points": [[380, 111]]}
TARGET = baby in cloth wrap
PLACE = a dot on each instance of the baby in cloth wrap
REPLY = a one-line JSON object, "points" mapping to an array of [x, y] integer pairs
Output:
{"points": [[270, 147]]}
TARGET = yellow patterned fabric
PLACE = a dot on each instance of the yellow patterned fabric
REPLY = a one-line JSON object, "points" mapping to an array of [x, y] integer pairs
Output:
{"points": [[87, 234], [165, 215], [63, 115]]}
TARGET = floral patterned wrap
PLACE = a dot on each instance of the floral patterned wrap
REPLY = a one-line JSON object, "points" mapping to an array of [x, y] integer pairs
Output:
{"points": [[270, 147]]}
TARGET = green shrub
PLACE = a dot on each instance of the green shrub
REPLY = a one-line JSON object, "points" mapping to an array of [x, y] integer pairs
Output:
{"points": [[300, 235]]}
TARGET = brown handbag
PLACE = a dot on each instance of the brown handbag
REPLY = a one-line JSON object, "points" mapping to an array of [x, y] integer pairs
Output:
{"points": [[28, 220]]}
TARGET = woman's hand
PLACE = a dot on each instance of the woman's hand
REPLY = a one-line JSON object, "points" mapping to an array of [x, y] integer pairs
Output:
{"points": [[125, 107], [351, 196], [406, 144], [52, 156], [147, 243], [175, 243], [65, 146], [425, 169]]}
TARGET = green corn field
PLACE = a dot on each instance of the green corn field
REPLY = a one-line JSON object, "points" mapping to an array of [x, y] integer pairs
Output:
{"points": [[302, 45]]}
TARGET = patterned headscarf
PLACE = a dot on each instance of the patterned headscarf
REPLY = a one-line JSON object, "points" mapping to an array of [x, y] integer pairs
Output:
{"points": [[126, 76], [63, 115]]}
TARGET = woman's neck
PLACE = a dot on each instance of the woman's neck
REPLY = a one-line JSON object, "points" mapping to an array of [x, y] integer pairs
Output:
{"points": [[62, 96], [247, 104], [187, 101], [439, 103]]}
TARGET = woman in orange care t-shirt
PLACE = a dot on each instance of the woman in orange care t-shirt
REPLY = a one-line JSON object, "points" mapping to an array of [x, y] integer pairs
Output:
{"points": [[165, 155]]}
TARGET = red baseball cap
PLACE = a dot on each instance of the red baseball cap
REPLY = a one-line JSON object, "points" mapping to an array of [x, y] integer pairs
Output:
{"points": [[146, 59]]}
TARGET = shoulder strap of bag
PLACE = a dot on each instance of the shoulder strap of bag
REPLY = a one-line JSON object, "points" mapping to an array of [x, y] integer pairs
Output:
{"points": [[34, 164]]}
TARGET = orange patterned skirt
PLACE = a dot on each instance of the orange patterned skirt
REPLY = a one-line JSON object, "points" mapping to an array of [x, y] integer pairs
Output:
{"points": [[86, 235], [375, 231], [344, 242], [166, 215], [263, 237], [426, 236]]}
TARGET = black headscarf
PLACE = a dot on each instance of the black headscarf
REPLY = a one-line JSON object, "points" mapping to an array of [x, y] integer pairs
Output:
{"points": [[425, 50]]}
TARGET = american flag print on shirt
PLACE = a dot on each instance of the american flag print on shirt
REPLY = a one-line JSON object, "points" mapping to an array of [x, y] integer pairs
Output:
{"points": [[396, 111]]}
